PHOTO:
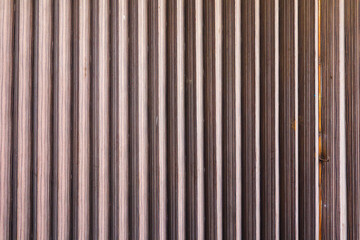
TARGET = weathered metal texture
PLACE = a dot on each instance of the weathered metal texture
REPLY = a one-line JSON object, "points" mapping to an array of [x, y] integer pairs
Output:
{"points": [[307, 105], [178, 119], [249, 124], [288, 119], [269, 141], [332, 153], [352, 78]]}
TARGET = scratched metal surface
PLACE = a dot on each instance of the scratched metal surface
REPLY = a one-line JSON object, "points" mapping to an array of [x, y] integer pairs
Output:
{"points": [[179, 119]]}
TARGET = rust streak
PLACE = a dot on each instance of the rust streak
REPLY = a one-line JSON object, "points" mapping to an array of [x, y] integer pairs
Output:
{"points": [[320, 139]]}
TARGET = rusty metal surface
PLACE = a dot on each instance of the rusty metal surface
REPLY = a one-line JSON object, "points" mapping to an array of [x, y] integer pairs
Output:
{"points": [[179, 119]]}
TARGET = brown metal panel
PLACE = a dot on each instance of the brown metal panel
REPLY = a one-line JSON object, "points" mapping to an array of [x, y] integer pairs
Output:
{"points": [[352, 77], [248, 121], [268, 128], [6, 83], [161, 119], [288, 122], [307, 120], [330, 120], [228, 122]]}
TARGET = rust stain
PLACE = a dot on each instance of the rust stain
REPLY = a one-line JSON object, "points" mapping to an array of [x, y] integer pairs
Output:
{"points": [[293, 124], [319, 101]]}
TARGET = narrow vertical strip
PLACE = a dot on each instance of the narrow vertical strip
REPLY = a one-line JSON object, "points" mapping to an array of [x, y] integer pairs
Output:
{"points": [[210, 122], [62, 118], [104, 119], [228, 122], [190, 121], [277, 163], [268, 124], [331, 134], [180, 115], [162, 119], [6, 83], [43, 110], [123, 130], [153, 119], [99, 119], [288, 120], [342, 112], [133, 81], [172, 120], [250, 119], [95, 85], [257, 119], [199, 119], [74, 207], [14, 125], [238, 146], [138, 119], [296, 96], [142, 113], [307, 121], [218, 113], [352, 85], [317, 110], [114, 117], [22, 108], [80, 220]]}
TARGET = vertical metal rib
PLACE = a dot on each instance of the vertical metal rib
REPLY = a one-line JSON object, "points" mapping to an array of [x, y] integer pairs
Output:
{"points": [[199, 119], [42, 117], [268, 123], [94, 117], [114, 147], [238, 146], [80, 208], [308, 159], [138, 119], [352, 76], [288, 122], [228, 121], [22, 120], [156, 123], [100, 119], [249, 119], [123, 123], [331, 109], [212, 118], [6, 72], [143, 126], [190, 121], [172, 121], [162, 120], [61, 120], [153, 119]]}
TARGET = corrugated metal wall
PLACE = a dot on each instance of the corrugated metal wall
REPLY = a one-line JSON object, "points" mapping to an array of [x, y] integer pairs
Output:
{"points": [[179, 119]]}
